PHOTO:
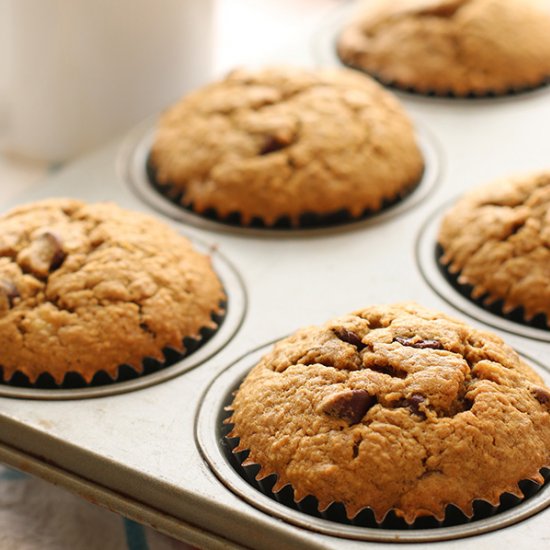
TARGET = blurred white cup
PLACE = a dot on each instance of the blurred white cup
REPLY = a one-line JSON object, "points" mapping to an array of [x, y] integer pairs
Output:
{"points": [[74, 73]]}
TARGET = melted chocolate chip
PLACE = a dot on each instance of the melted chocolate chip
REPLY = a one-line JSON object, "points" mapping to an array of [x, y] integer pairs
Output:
{"points": [[390, 370], [467, 404], [413, 404], [541, 395], [445, 10], [58, 255], [8, 293], [355, 449], [349, 405], [349, 337], [419, 344], [272, 144], [415, 401], [9, 290], [44, 255]]}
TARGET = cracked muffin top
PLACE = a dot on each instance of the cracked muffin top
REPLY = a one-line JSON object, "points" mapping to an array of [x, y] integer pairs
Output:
{"points": [[394, 408], [497, 239], [89, 287], [452, 46], [282, 142]]}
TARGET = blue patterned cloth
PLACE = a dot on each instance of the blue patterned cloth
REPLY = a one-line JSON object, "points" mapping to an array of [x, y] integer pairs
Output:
{"points": [[37, 515]]}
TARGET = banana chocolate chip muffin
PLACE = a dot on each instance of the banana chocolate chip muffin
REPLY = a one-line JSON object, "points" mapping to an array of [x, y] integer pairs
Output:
{"points": [[90, 287], [456, 47], [496, 240], [394, 408], [286, 144]]}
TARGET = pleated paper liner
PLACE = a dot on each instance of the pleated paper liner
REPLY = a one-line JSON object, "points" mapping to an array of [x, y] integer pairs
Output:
{"points": [[495, 306], [74, 380], [336, 512], [449, 94], [308, 220]]}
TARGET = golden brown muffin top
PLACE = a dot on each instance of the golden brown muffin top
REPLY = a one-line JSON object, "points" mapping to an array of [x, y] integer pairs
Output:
{"points": [[456, 46], [280, 142], [394, 407], [89, 287], [497, 239]]}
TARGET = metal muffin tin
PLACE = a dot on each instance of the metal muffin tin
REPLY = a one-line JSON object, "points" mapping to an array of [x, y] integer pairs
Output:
{"points": [[144, 452]]}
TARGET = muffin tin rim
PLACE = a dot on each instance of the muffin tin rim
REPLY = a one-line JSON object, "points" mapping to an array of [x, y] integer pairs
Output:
{"points": [[131, 168], [236, 308], [207, 440]]}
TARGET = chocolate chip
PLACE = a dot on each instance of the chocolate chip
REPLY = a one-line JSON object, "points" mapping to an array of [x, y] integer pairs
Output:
{"points": [[413, 404], [445, 10], [58, 255], [419, 344], [9, 290], [44, 255], [390, 370], [541, 395], [355, 449], [467, 404], [8, 293], [349, 405], [415, 401], [272, 144], [349, 336]]}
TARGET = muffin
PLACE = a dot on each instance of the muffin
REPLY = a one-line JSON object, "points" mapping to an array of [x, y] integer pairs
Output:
{"points": [[394, 408], [495, 243], [451, 47], [90, 287], [286, 146]]}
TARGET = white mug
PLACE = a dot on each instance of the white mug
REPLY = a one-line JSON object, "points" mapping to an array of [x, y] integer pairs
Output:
{"points": [[74, 73]]}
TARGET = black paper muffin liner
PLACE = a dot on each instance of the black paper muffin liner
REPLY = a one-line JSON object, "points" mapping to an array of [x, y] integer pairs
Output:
{"points": [[74, 380], [366, 518], [308, 220], [495, 307], [448, 94]]}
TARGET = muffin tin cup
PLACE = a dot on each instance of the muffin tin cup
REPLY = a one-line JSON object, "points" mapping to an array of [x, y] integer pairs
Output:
{"points": [[325, 53], [308, 220], [450, 94], [135, 170], [445, 284], [218, 450], [197, 350], [124, 372]]}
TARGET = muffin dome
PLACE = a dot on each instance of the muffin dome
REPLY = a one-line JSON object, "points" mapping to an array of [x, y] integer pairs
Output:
{"points": [[452, 46], [89, 287], [284, 143], [394, 408], [497, 240]]}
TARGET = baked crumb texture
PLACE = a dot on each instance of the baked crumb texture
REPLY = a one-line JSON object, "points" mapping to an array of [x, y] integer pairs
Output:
{"points": [[451, 47], [496, 240], [286, 146], [394, 408], [90, 287]]}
